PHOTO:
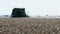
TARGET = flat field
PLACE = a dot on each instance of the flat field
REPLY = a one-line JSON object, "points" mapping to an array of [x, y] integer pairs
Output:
{"points": [[29, 25]]}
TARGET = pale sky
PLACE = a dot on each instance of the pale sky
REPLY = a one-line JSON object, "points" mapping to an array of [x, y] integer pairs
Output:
{"points": [[33, 7]]}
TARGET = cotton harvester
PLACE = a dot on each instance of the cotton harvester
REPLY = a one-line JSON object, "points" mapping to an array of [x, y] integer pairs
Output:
{"points": [[18, 12]]}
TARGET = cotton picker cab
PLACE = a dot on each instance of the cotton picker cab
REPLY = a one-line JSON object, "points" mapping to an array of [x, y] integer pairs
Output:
{"points": [[18, 12]]}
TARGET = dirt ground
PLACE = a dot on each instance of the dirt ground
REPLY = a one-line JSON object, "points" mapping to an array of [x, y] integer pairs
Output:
{"points": [[29, 25]]}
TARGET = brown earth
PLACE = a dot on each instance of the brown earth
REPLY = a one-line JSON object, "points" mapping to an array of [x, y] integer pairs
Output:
{"points": [[29, 26]]}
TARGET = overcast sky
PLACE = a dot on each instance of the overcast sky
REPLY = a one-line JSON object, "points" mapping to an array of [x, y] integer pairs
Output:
{"points": [[33, 7]]}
